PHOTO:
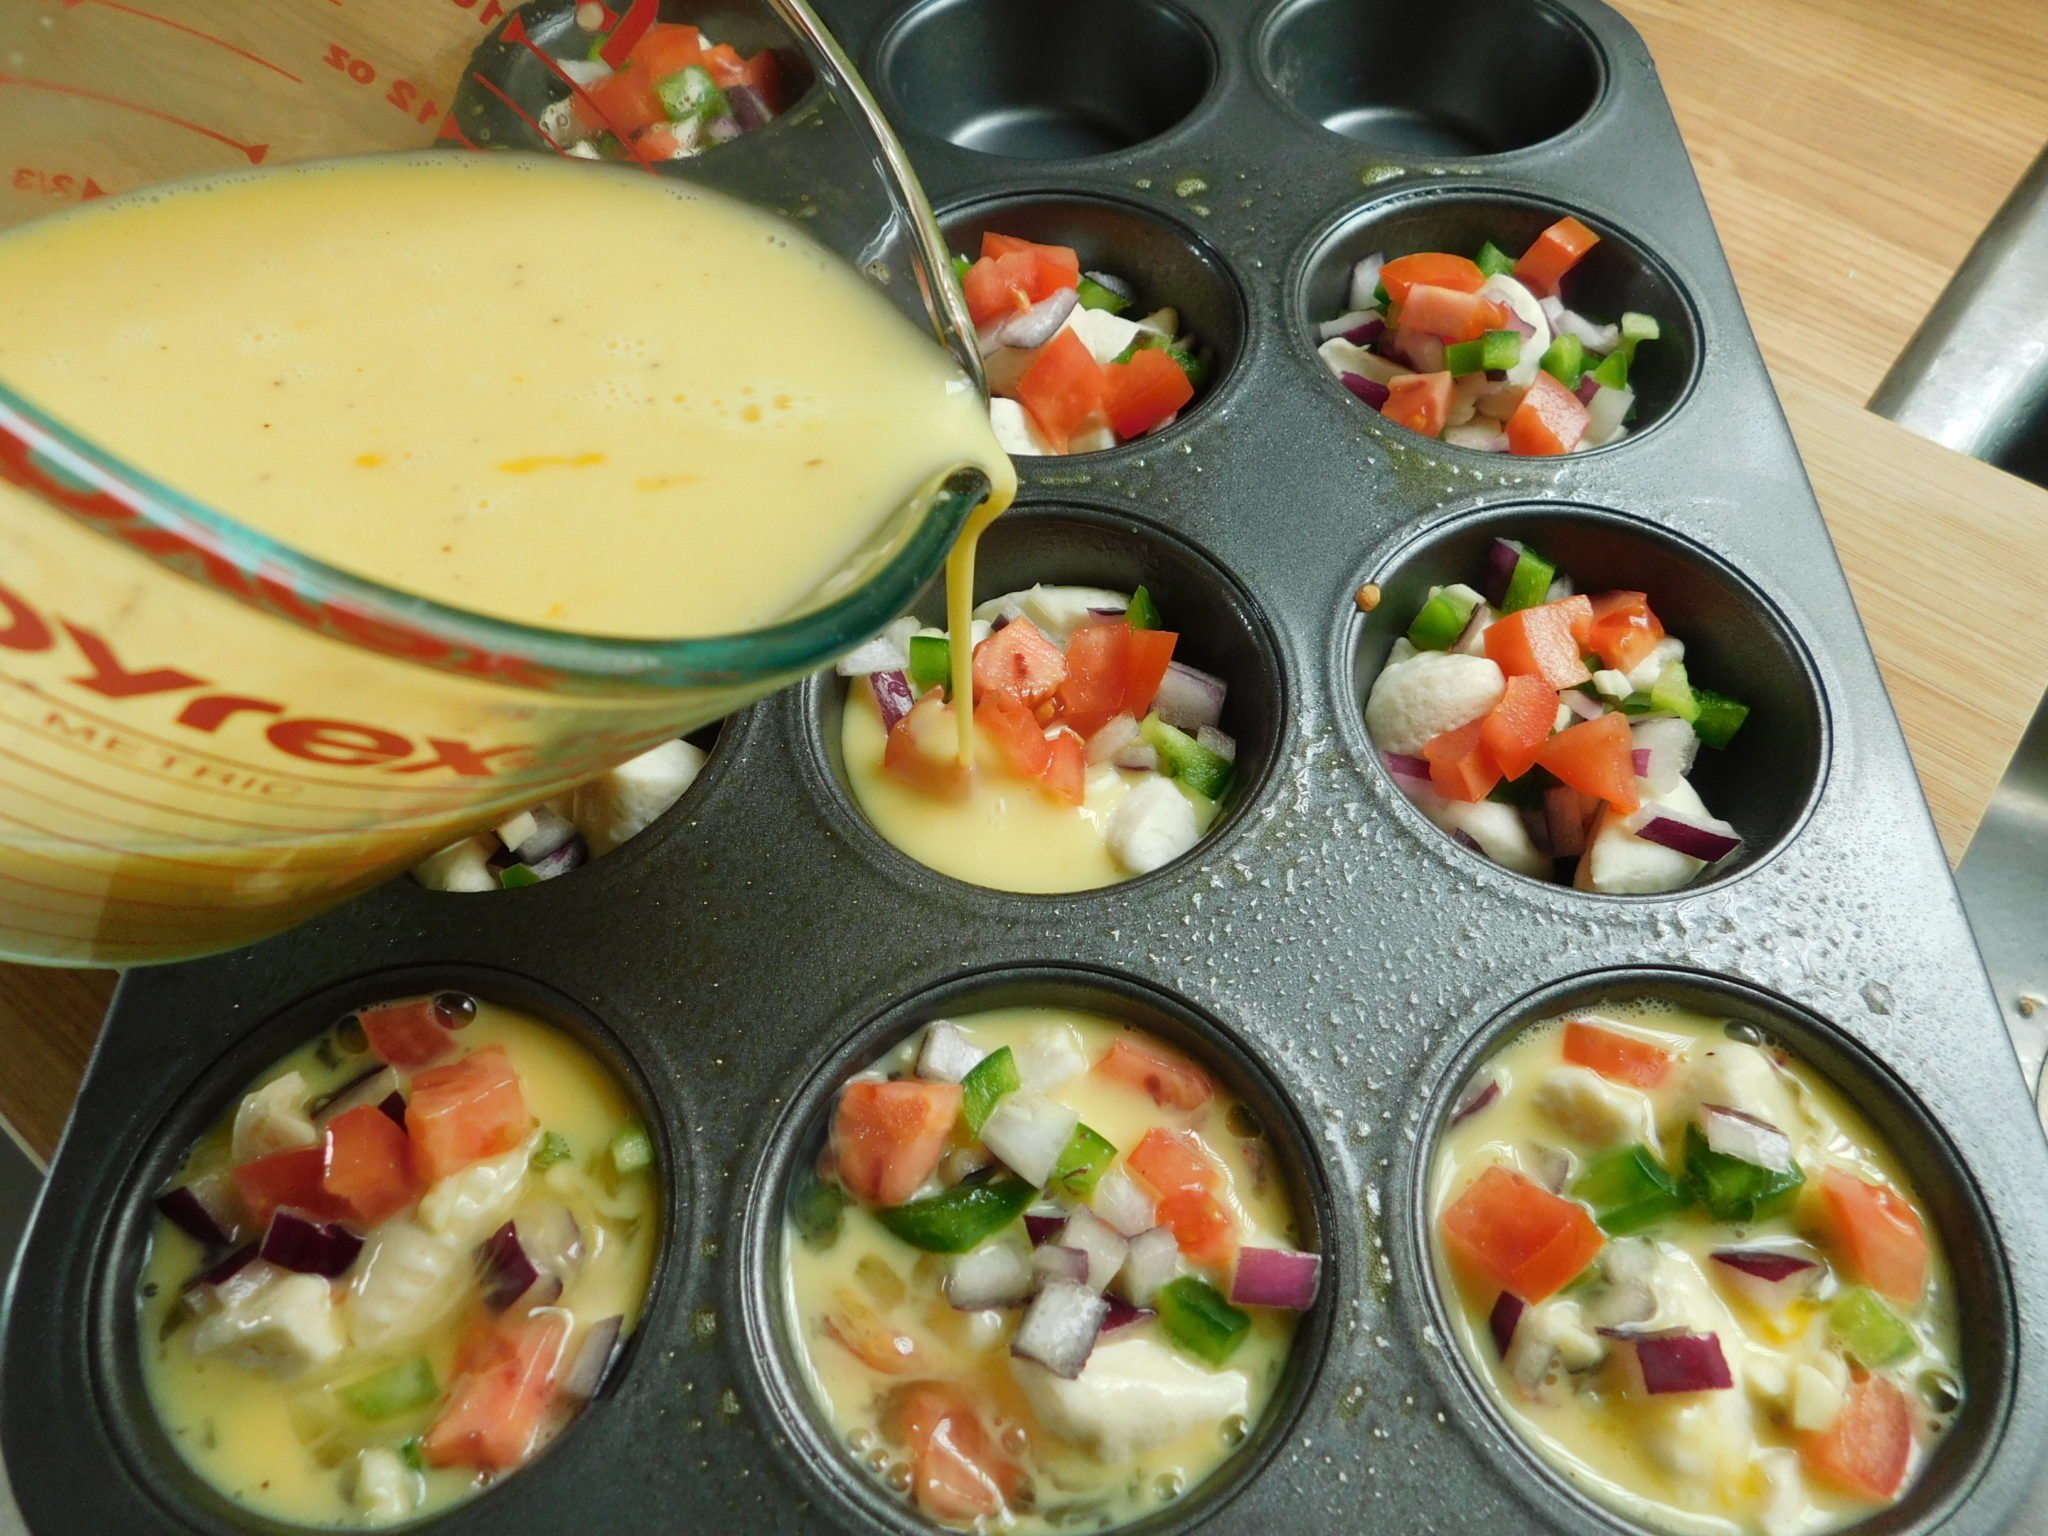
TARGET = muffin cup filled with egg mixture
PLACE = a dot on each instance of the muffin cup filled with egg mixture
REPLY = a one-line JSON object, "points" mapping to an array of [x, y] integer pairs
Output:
{"points": [[1691, 1275], [401, 1262], [1044, 1273]]}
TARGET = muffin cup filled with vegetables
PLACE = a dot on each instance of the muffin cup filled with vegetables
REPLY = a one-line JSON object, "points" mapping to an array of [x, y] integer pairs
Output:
{"points": [[1118, 712], [1496, 325], [1581, 699], [1043, 1270], [1098, 324], [402, 1261], [1691, 1275]]}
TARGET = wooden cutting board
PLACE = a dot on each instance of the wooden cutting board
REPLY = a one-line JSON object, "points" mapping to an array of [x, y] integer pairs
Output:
{"points": [[1844, 206]]}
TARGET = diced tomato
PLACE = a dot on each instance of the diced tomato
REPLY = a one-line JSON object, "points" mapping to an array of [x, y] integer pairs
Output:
{"points": [[668, 48], [1624, 630], [957, 1474], [1140, 394], [1175, 1159], [1594, 757], [1450, 314], [1539, 642], [406, 1034], [1172, 1082], [1015, 733], [1517, 1235], [1437, 269], [924, 747], [1549, 421], [1519, 725], [1621, 1058], [763, 74], [296, 1178], [1554, 253], [1877, 1234], [494, 1414], [1062, 388], [1201, 1224], [369, 1165], [622, 103], [1018, 662], [723, 63], [1151, 650], [1098, 676], [1060, 263], [1066, 775], [991, 292], [465, 1112], [1460, 766], [863, 1333], [1421, 402], [1866, 1451], [888, 1137]]}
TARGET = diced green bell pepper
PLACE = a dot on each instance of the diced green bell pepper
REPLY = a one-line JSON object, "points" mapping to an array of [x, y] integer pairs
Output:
{"points": [[1381, 298], [1612, 371], [1194, 366], [1637, 328], [409, 1452], [514, 876], [1182, 757], [1869, 1330], [1530, 583], [815, 1208], [691, 93], [1503, 349], [987, 1084], [1673, 693], [1094, 296], [1731, 1189], [963, 1217], [1198, 1319], [1629, 1190], [931, 662], [1143, 612], [1719, 717], [631, 1150], [1463, 357], [397, 1389], [1565, 360], [960, 266], [1082, 1165], [554, 1148], [1442, 620], [1494, 261]]}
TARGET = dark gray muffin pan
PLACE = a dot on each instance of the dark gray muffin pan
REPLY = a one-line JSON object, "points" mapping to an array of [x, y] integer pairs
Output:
{"points": [[1325, 948]]}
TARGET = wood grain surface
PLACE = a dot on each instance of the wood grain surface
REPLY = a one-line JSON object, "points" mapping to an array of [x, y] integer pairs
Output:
{"points": [[1851, 151]]}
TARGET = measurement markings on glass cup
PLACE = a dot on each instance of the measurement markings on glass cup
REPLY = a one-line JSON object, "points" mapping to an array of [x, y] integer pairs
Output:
{"points": [[63, 186], [403, 94]]}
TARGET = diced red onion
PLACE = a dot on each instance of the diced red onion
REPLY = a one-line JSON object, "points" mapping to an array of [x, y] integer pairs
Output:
{"points": [[1507, 1312], [1735, 1134], [1501, 560], [1366, 332], [1588, 388], [371, 1087], [1771, 1277], [749, 107], [1116, 285], [1123, 1315], [1656, 824], [1060, 1327], [1209, 739], [997, 624], [1116, 733], [946, 1055], [1371, 391], [1029, 1132], [1189, 697], [1034, 327], [1350, 320], [553, 1239], [881, 654], [1559, 589], [1154, 1259], [202, 1210], [723, 129], [1421, 351], [1537, 825], [226, 1269], [296, 1242], [1471, 639], [1640, 758], [997, 1274], [1606, 412], [550, 834], [1403, 765], [1582, 704], [392, 1107], [1102, 1245], [1476, 1098], [1465, 839], [1119, 1201], [1569, 322], [892, 696], [1274, 1277], [1042, 1228], [1672, 747], [1056, 1261], [1516, 323], [506, 1270], [1141, 755], [1676, 1361], [571, 855], [1480, 437], [1550, 1166], [1109, 613], [1365, 280], [585, 1379]]}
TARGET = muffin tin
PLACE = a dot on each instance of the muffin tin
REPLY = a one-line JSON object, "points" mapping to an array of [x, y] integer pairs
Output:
{"points": [[742, 955]]}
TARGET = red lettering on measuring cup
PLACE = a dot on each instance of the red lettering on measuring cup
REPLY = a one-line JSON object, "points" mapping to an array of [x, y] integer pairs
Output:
{"points": [[338, 743], [25, 629], [112, 680], [464, 759]]}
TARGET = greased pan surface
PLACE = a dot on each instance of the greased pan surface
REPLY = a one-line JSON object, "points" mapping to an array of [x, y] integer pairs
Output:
{"points": [[1335, 954]]}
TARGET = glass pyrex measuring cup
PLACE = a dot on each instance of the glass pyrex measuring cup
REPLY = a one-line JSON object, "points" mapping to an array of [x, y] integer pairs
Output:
{"points": [[205, 736]]}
